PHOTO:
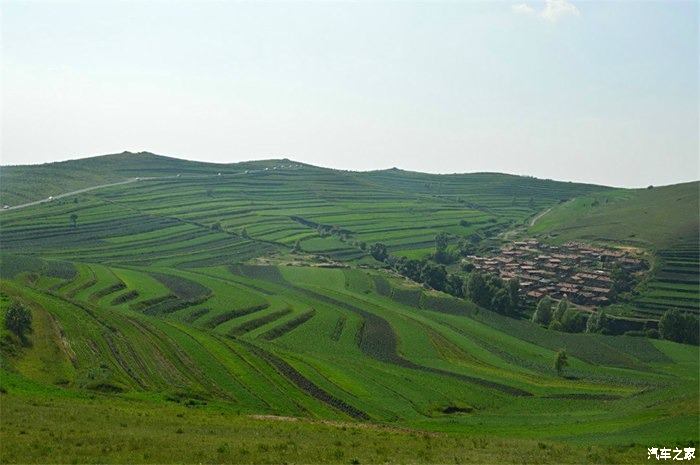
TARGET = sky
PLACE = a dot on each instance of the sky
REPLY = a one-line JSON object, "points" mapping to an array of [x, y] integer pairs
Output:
{"points": [[603, 92]]}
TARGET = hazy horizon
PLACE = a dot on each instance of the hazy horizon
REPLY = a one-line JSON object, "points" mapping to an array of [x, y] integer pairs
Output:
{"points": [[596, 92]]}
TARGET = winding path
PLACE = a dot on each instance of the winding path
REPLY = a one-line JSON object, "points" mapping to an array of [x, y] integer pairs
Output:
{"points": [[79, 191], [118, 183], [539, 215]]}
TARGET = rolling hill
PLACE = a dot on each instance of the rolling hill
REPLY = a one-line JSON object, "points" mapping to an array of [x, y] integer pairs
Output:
{"points": [[239, 317]]}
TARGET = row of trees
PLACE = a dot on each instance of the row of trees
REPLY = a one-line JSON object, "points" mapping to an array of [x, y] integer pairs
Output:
{"points": [[673, 325], [492, 292], [445, 254], [488, 291]]}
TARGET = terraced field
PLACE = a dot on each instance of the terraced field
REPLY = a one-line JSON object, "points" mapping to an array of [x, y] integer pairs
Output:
{"points": [[676, 284], [247, 297]]}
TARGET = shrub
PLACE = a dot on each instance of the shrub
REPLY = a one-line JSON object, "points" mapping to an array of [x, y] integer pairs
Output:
{"points": [[652, 333], [379, 251], [18, 319], [561, 361]]}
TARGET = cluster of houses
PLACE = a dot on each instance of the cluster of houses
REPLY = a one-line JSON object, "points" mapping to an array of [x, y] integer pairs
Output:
{"points": [[576, 271]]}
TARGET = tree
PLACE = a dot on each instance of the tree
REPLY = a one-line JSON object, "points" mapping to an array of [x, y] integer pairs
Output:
{"points": [[442, 255], [441, 242], [501, 302], [464, 247], [671, 325], [454, 285], [514, 294], [475, 238], [216, 226], [562, 307], [409, 268], [434, 276], [297, 246], [477, 290], [623, 281], [543, 312], [244, 233], [379, 251], [18, 319], [597, 323], [561, 361], [573, 321], [494, 282], [679, 327], [74, 219]]}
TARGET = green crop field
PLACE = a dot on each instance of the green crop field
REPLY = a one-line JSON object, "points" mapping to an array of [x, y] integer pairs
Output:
{"points": [[230, 313]]}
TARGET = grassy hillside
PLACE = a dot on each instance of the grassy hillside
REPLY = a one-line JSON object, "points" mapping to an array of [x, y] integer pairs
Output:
{"points": [[661, 217], [237, 318], [25, 183]]}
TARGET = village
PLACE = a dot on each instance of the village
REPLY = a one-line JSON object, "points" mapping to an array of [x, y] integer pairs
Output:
{"points": [[578, 272]]}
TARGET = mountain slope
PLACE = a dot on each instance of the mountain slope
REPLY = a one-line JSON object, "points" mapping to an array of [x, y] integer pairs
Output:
{"points": [[658, 217]]}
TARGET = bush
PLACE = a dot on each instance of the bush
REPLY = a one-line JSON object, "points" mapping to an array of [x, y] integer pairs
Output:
{"points": [[652, 333], [18, 319], [561, 361], [379, 251]]}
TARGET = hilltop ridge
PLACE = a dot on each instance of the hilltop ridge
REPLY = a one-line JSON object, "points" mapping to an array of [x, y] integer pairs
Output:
{"points": [[26, 183]]}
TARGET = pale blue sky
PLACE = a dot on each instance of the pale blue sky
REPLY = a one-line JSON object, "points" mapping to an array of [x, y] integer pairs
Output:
{"points": [[603, 92]]}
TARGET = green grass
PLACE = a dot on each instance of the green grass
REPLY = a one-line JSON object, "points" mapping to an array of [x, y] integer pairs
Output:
{"points": [[660, 217]]}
